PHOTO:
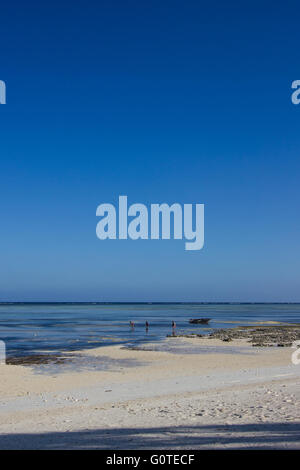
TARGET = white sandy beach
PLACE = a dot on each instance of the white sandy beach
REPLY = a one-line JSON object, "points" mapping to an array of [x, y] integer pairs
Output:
{"points": [[239, 397]]}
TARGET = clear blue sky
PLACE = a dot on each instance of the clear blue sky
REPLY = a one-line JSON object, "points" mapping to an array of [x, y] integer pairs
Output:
{"points": [[164, 101]]}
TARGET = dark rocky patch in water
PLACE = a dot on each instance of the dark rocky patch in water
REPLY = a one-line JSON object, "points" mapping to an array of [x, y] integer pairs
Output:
{"points": [[262, 336], [57, 364], [37, 359]]}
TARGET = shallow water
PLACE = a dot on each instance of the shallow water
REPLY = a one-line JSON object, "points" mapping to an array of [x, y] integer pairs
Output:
{"points": [[178, 346], [37, 328]]}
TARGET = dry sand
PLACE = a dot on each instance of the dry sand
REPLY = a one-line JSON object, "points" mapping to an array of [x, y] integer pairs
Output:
{"points": [[198, 393]]}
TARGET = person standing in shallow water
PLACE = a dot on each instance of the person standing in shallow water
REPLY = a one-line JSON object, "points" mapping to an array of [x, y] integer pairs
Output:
{"points": [[131, 323], [147, 326], [173, 328]]}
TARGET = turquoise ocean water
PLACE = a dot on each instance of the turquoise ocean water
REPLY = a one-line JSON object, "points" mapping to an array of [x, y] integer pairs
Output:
{"points": [[32, 328]]}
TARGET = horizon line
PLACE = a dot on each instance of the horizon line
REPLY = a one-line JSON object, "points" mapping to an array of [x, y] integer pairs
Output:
{"points": [[68, 302]]}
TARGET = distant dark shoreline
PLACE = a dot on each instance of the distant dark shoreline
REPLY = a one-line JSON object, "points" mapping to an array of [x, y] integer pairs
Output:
{"points": [[149, 303]]}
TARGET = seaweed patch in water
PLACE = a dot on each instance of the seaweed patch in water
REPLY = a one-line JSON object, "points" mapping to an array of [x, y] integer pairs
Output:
{"points": [[37, 359], [56, 364]]}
